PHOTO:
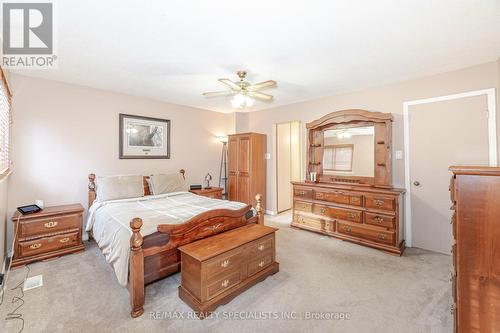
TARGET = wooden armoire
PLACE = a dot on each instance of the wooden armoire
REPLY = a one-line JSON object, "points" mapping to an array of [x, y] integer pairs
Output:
{"points": [[246, 167], [475, 194]]}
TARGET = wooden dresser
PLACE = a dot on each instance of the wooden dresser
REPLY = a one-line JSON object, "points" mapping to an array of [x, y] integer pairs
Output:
{"points": [[214, 192], [217, 269], [363, 215], [475, 194], [52, 232], [246, 167]]}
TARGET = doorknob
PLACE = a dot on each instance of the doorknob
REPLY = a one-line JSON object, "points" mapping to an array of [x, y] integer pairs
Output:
{"points": [[416, 183]]}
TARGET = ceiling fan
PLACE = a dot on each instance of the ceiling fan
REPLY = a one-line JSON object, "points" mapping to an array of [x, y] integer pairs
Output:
{"points": [[243, 91]]}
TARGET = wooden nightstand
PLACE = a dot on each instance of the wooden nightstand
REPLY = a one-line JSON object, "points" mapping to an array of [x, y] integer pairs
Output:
{"points": [[214, 192], [52, 232]]}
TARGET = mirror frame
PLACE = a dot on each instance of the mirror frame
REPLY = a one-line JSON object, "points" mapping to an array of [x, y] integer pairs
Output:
{"points": [[382, 123]]}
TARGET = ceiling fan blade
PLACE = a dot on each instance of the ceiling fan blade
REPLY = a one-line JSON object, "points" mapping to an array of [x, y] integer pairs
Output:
{"points": [[261, 96], [218, 93], [262, 85], [230, 84]]}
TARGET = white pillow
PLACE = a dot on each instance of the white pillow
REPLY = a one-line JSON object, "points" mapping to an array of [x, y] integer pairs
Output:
{"points": [[119, 187], [161, 184]]}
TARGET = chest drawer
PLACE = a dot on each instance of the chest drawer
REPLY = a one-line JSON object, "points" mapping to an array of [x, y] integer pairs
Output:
{"points": [[332, 196], [337, 213], [258, 264], [48, 244], [224, 263], [380, 202], [379, 236], [223, 284], [302, 192], [308, 221], [38, 227], [380, 220], [302, 206], [262, 245]]}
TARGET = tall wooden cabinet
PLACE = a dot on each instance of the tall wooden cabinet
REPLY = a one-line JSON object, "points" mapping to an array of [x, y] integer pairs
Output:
{"points": [[247, 167], [475, 194]]}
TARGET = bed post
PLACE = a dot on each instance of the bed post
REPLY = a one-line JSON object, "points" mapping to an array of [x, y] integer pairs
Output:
{"points": [[258, 208], [92, 194], [136, 272]]}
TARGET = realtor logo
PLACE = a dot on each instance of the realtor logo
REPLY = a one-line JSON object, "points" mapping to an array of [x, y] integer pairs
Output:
{"points": [[27, 29]]}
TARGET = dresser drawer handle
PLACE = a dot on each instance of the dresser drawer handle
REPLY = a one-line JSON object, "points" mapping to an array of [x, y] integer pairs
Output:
{"points": [[302, 193], [350, 215], [261, 247], [261, 264], [51, 224], [354, 199], [378, 202], [381, 236], [347, 229], [224, 264], [35, 246], [378, 219], [64, 240], [322, 210], [224, 283]]}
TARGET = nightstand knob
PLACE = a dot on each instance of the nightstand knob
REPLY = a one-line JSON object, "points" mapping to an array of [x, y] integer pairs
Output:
{"points": [[51, 224]]}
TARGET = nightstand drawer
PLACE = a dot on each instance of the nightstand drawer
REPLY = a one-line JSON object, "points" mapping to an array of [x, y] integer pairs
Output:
{"points": [[48, 244], [40, 227]]}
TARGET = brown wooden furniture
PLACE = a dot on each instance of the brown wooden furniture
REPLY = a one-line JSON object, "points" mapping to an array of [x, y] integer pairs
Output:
{"points": [[214, 192], [217, 269], [475, 194], [156, 256], [51, 232], [364, 210], [246, 167]]}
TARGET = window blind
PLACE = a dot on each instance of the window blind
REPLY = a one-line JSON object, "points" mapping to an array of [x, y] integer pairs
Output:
{"points": [[5, 122]]}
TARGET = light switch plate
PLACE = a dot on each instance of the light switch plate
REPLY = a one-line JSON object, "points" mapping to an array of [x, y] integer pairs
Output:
{"points": [[268, 156], [398, 154]]}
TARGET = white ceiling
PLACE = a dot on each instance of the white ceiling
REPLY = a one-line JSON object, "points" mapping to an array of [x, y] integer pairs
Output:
{"points": [[175, 50]]}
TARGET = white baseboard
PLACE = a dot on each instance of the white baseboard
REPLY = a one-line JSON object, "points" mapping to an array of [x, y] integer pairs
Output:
{"points": [[270, 212]]}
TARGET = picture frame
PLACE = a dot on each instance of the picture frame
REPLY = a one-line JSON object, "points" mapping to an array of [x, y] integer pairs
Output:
{"points": [[143, 137]]}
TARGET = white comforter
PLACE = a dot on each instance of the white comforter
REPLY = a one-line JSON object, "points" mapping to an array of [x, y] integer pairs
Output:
{"points": [[110, 221]]}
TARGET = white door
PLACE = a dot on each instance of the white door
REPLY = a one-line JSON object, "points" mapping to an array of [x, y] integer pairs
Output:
{"points": [[442, 134], [287, 162]]}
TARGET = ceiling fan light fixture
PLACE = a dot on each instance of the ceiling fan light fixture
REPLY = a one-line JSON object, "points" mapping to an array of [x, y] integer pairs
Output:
{"points": [[242, 101]]}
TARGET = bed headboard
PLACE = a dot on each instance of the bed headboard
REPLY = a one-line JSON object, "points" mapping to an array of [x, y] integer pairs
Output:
{"points": [[93, 194]]}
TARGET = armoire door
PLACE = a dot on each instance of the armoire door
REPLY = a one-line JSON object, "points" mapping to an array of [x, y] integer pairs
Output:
{"points": [[232, 168], [243, 166]]}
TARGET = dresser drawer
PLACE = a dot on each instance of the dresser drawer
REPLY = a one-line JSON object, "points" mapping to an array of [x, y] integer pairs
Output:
{"points": [[303, 206], [302, 192], [380, 220], [38, 227], [356, 199], [224, 263], [311, 222], [379, 236], [222, 284], [332, 196], [260, 246], [48, 244], [380, 202], [258, 264], [337, 213]]}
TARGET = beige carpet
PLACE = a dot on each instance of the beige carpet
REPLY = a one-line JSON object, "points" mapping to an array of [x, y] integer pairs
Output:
{"points": [[377, 291]]}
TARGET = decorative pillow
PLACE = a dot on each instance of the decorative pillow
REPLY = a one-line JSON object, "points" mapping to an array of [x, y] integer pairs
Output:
{"points": [[119, 187], [160, 184]]}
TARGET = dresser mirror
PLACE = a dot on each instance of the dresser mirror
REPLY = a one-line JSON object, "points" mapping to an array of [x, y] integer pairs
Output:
{"points": [[350, 146], [349, 151]]}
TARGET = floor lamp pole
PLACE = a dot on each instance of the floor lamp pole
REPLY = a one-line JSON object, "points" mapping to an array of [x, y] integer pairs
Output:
{"points": [[223, 171]]}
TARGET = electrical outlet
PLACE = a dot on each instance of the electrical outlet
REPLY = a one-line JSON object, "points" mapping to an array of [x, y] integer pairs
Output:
{"points": [[268, 156], [398, 154]]}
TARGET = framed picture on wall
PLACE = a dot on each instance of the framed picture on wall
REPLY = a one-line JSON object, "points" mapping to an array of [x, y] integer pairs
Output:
{"points": [[144, 137]]}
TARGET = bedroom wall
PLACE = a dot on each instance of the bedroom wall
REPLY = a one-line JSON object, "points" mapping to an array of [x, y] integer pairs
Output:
{"points": [[63, 132], [388, 98]]}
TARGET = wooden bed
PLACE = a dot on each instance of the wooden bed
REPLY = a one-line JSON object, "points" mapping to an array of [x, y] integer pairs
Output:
{"points": [[156, 256]]}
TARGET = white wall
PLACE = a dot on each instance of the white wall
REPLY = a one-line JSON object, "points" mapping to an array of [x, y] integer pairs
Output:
{"points": [[387, 98], [63, 132]]}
